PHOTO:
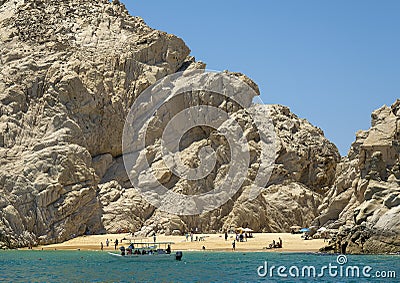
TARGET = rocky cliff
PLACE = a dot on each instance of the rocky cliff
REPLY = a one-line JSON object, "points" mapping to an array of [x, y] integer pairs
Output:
{"points": [[364, 203], [305, 167], [70, 72]]}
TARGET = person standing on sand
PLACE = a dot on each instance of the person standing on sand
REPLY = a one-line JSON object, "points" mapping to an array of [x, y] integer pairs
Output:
{"points": [[226, 235], [234, 245], [280, 242], [107, 242], [116, 244], [101, 245], [154, 237]]}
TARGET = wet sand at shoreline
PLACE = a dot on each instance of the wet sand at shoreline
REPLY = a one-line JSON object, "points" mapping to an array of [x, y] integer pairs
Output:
{"points": [[212, 242]]}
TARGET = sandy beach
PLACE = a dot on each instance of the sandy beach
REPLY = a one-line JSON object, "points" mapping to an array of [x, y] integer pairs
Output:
{"points": [[211, 242]]}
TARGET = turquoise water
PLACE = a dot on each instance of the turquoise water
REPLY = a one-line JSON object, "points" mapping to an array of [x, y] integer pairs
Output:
{"points": [[81, 266]]}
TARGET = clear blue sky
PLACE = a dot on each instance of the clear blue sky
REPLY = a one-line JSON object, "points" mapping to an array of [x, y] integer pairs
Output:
{"points": [[331, 62]]}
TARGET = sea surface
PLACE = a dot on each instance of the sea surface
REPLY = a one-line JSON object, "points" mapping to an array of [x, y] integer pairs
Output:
{"points": [[83, 266]]}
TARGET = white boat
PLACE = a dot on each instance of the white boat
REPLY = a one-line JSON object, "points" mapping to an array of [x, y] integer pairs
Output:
{"points": [[144, 251]]}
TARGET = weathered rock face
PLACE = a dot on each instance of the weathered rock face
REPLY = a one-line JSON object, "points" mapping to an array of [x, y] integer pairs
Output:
{"points": [[70, 71], [305, 166], [365, 199]]}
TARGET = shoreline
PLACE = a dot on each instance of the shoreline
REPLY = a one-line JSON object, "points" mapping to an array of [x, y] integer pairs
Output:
{"points": [[292, 243]]}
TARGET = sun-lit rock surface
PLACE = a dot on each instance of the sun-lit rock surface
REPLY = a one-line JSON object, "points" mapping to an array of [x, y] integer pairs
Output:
{"points": [[70, 71], [365, 199]]}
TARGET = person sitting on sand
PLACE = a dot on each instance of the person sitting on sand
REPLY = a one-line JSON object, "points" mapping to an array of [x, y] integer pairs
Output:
{"points": [[272, 245]]}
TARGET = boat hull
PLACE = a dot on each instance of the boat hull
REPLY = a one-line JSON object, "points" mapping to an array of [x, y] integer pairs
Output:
{"points": [[145, 257]]}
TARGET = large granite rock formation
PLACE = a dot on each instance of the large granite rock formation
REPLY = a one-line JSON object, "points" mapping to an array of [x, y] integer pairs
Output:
{"points": [[365, 199], [70, 71], [305, 168]]}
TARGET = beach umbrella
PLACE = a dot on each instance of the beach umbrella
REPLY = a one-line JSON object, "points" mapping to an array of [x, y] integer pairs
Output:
{"points": [[247, 230], [295, 227], [322, 229], [304, 230]]}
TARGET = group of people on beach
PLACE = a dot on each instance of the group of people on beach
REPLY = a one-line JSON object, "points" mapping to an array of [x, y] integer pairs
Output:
{"points": [[187, 235], [192, 236], [241, 237], [275, 245], [116, 242]]}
